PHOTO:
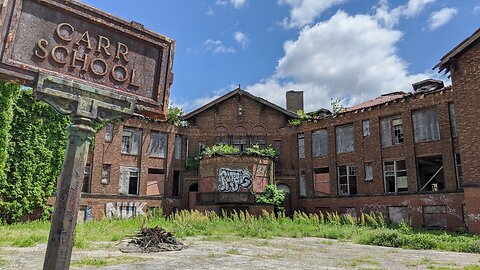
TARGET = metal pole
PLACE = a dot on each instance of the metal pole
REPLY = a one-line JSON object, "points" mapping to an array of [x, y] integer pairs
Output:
{"points": [[60, 241]]}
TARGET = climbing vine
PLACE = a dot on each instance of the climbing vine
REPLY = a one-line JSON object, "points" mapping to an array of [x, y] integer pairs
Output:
{"points": [[35, 152]]}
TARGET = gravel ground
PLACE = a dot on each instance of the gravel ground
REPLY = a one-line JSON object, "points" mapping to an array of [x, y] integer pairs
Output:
{"points": [[276, 253]]}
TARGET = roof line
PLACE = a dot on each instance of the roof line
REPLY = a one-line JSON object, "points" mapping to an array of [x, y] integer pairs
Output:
{"points": [[457, 50], [238, 90]]}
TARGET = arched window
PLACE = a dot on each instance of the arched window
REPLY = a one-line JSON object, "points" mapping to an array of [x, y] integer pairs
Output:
{"points": [[258, 136], [221, 135], [239, 139]]}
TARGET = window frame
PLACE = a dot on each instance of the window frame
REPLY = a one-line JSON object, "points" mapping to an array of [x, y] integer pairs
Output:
{"points": [[351, 171], [151, 147], [322, 136], [396, 173], [338, 142]]}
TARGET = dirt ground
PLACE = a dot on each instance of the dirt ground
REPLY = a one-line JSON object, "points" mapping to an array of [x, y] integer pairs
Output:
{"points": [[276, 253]]}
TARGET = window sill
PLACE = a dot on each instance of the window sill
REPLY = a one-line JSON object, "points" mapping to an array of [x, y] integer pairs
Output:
{"points": [[127, 154], [155, 157], [393, 145]]}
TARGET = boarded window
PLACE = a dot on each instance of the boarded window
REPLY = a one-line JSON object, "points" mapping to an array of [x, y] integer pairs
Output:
{"points": [[398, 214], [430, 173], [344, 138], [391, 130], [395, 176], [155, 182], [425, 125], [319, 143], [277, 145], [108, 132], [128, 180], [131, 141], [178, 147], [158, 144], [453, 119], [366, 128], [368, 172], [87, 179], [435, 217], [347, 180], [301, 146], [321, 182], [106, 169], [303, 185]]}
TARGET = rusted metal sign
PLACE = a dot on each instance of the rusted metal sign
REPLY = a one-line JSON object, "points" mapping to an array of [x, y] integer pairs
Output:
{"points": [[71, 40]]}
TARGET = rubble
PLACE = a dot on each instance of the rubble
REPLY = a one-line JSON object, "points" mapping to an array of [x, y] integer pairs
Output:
{"points": [[149, 240]]}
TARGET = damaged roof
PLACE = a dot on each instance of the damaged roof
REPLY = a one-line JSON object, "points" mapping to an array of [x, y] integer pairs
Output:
{"points": [[446, 61], [239, 91], [377, 101]]}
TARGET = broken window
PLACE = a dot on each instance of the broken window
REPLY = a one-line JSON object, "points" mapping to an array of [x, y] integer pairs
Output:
{"points": [[177, 152], [391, 130], [258, 136], [366, 128], [128, 180], [277, 145], [239, 140], [158, 144], [368, 172], [425, 125], [201, 146], [109, 132], [303, 185], [453, 119], [319, 143], [106, 168], [344, 138], [347, 180], [430, 173], [176, 184], [131, 141], [87, 179], [395, 176], [221, 135], [435, 216], [155, 182], [321, 182], [301, 145], [458, 166]]}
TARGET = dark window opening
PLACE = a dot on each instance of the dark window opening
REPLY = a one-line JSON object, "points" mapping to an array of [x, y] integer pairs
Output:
{"points": [[176, 184], [430, 173], [87, 179]]}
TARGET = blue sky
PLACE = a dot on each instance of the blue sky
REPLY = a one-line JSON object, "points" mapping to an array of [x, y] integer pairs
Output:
{"points": [[351, 49]]}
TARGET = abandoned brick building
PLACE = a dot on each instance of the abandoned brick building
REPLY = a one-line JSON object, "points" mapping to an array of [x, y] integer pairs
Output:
{"points": [[409, 155]]}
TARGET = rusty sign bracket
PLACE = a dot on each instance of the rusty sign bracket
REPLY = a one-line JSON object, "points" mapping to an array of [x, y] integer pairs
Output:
{"points": [[84, 103]]}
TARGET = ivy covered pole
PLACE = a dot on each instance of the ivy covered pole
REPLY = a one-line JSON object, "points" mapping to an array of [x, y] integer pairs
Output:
{"points": [[62, 230], [85, 105]]}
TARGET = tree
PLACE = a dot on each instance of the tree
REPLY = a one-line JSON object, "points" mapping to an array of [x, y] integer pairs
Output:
{"points": [[35, 153], [174, 116], [337, 105]]}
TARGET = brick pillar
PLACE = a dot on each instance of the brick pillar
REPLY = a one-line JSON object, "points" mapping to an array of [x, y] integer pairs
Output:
{"points": [[294, 100]]}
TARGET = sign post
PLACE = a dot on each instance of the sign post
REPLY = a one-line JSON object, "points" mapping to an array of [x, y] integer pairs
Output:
{"points": [[87, 64]]}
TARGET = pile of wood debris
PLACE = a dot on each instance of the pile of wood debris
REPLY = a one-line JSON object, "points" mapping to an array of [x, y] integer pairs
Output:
{"points": [[151, 240]]}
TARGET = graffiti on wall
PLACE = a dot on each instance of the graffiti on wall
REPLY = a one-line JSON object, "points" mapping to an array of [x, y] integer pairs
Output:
{"points": [[124, 209], [231, 180]]}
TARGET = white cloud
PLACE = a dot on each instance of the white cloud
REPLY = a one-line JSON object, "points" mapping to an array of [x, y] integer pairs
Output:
{"points": [[345, 56], [476, 10], [210, 12], [441, 17], [216, 46], [241, 39], [391, 17], [304, 12], [237, 4]]}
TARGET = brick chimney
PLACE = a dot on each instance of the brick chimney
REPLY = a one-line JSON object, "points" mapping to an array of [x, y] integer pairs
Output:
{"points": [[294, 100]]}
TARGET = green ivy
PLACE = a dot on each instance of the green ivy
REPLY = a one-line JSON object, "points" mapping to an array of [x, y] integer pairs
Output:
{"points": [[255, 150], [220, 149], [35, 154]]}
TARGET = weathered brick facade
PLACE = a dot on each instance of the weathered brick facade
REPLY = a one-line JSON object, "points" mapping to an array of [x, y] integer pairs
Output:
{"points": [[409, 156]]}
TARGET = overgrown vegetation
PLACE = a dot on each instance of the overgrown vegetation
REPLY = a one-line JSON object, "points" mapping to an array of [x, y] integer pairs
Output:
{"points": [[174, 116], [257, 151], [367, 229], [337, 105], [273, 195], [302, 117], [34, 137], [226, 149]]}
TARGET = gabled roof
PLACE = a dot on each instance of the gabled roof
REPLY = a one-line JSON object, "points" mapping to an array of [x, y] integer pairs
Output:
{"points": [[456, 52], [239, 91]]}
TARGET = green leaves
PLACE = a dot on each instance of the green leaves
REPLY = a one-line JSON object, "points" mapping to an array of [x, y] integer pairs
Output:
{"points": [[220, 149], [35, 152], [273, 195]]}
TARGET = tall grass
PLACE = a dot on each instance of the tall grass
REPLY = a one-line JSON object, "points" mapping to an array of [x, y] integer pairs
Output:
{"points": [[368, 229]]}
